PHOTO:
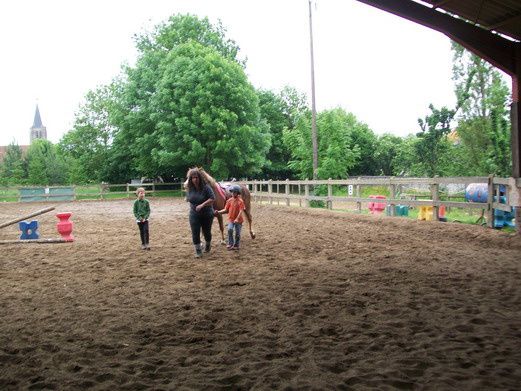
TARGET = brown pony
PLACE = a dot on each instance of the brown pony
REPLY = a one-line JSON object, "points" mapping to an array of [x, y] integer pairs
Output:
{"points": [[222, 194]]}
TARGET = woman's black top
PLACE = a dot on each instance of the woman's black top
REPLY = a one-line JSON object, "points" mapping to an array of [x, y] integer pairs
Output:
{"points": [[195, 198]]}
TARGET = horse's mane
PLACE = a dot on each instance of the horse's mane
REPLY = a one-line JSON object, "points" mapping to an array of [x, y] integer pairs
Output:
{"points": [[209, 179]]}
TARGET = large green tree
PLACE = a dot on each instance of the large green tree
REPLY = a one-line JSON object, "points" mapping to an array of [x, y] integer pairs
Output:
{"points": [[44, 164], [281, 111], [180, 29], [188, 102], [205, 112], [337, 153], [484, 128], [87, 146]]}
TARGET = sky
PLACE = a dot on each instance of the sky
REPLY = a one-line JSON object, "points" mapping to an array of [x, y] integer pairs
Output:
{"points": [[380, 67]]}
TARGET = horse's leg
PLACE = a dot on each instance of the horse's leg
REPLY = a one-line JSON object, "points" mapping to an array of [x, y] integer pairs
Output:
{"points": [[247, 212], [221, 227]]}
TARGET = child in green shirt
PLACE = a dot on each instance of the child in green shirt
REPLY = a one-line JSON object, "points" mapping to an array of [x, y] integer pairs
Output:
{"points": [[142, 213]]}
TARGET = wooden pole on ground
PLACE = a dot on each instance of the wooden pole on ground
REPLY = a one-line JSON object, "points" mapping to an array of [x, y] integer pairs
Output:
{"points": [[39, 241], [37, 213]]}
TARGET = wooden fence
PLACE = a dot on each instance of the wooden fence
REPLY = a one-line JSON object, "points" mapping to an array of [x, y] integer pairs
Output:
{"points": [[270, 190], [303, 191], [95, 191]]}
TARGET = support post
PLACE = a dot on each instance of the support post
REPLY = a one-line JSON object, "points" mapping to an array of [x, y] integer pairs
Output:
{"points": [[435, 195], [306, 195], [287, 192], [329, 194], [358, 203], [490, 200], [392, 191], [515, 119]]}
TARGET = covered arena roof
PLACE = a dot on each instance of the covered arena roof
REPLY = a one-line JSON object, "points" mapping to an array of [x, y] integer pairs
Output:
{"points": [[489, 28], [500, 16]]}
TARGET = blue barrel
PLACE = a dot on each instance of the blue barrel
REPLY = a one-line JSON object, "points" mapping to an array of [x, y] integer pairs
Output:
{"points": [[476, 192]]}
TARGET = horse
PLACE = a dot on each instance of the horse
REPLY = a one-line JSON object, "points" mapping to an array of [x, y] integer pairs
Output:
{"points": [[222, 194]]}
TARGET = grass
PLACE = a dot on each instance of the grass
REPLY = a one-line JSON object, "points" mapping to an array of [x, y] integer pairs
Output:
{"points": [[8, 194], [92, 192]]}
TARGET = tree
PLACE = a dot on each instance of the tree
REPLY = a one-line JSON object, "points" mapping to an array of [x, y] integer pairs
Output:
{"points": [[366, 140], [206, 112], [44, 166], [294, 105], [484, 127], [181, 29], [337, 153], [12, 168], [188, 102], [432, 143], [280, 111], [87, 147], [385, 154], [407, 161]]}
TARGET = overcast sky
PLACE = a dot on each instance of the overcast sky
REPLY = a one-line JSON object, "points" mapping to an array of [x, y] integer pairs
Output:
{"points": [[384, 69]]}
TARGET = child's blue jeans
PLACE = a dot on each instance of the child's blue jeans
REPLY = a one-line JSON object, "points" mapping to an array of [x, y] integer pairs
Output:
{"points": [[237, 227]]}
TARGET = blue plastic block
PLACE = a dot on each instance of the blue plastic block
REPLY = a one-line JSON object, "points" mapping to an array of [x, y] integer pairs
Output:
{"points": [[29, 230]]}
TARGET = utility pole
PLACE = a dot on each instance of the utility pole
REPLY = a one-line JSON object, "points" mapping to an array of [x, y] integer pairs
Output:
{"points": [[313, 107]]}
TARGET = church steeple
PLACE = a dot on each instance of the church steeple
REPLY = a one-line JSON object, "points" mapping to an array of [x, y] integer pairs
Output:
{"points": [[38, 130], [37, 123]]}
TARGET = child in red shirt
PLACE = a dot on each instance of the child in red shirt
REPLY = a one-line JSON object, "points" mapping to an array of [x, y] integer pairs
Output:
{"points": [[234, 207]]}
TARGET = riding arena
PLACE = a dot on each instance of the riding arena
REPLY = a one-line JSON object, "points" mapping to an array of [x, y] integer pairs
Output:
{"points": [[318, 300]]}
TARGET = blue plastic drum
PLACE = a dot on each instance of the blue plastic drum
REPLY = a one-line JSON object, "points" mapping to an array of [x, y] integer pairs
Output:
{"points": [[476, 192]]}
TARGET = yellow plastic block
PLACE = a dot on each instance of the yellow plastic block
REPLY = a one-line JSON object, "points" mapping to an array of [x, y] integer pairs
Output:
{"points": [[425, 213]]}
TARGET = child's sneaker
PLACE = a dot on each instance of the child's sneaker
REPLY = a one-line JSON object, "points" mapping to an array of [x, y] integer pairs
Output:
{"points": [[143, 247], [236, 248], [229, 247], [207, 247]]}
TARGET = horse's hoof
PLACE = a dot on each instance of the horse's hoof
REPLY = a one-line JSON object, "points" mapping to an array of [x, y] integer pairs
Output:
{"points": [[252, 234], [223, 242]]}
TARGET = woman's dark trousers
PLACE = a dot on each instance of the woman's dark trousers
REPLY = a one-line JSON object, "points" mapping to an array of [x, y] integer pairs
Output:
{"points": [[198, 223]]}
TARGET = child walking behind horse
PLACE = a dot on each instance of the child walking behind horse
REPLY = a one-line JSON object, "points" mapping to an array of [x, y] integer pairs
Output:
{"points": [[234, 207], [142, 213]]}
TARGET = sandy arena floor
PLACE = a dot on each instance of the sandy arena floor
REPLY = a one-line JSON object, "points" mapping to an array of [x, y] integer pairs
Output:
{"points": [[320, 300]]}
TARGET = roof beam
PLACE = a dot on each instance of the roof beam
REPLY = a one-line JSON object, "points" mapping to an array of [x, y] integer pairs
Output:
{"points": [[513, 19], [436, 4], [497, 50]]}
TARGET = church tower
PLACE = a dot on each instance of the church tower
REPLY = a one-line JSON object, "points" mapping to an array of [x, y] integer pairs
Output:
{"points": [[38, 130]]}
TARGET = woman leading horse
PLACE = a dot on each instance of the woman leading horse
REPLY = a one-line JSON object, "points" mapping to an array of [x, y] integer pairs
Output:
{"points": [[222, 193]]}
